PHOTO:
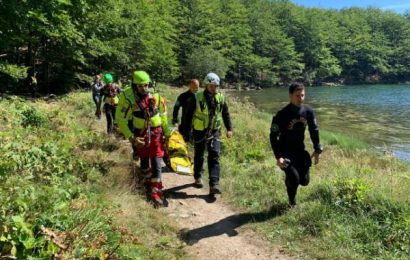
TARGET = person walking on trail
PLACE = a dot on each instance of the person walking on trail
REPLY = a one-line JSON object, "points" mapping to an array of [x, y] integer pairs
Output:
{"points": [[110, 94], [182, 101], [148, 113], [96, 88], [206, 112], [33, 85], [287, 135]]}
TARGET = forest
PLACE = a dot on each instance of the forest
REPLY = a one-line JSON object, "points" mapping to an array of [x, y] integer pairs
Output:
{"points": [[258, 42], [67, 189]]}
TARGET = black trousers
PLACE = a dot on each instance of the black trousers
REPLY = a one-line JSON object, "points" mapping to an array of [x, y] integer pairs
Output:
{"points": [[297, 173], [213, 145], [110, 115], [97, 101], [155, 166], [185, 131]]}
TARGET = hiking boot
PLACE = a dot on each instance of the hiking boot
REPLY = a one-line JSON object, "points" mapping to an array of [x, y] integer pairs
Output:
{"points": [[157, 200], [198, 183], [156, 195], [215, 189]]}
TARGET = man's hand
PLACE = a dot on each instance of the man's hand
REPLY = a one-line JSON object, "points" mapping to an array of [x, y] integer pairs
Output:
{"points": [[131, 139], [229, 134], [165, 139], [280, 162], [316, 157], [138, 142]]}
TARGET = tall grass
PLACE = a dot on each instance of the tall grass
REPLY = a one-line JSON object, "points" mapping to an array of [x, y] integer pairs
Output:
{"points": [[54, 198], [356, 206], [60, 176]]}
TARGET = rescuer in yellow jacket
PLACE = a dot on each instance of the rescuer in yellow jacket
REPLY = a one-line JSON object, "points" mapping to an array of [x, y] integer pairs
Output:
{"points": [[148, 114], [207, 112]]}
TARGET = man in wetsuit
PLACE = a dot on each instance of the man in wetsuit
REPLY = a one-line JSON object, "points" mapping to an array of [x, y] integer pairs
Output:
{"points": [[182, 101], [287, 136]]}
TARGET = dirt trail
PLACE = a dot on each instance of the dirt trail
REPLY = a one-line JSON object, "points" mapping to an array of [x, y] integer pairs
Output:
{"points": [[211, 229]]}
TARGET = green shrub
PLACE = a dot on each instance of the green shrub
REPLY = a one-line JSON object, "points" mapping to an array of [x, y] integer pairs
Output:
{"points": [[45, 185], [31, 117], [349, 193]]}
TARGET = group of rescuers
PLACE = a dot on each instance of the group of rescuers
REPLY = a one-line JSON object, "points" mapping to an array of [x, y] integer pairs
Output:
{"points": [[141, 117]]}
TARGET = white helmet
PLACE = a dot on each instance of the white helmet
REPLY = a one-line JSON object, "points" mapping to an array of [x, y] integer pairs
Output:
{"points": [[212, 78]]}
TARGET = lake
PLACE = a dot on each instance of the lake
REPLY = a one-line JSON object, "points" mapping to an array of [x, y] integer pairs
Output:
{"points": [[377, 114]]}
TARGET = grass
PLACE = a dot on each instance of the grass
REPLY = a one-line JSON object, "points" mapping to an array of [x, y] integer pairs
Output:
{"points": [[59, 171], [356, 206], [63, 192]]}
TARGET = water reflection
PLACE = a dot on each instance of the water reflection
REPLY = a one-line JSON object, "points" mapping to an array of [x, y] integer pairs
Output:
{"points": [[377, 114]]}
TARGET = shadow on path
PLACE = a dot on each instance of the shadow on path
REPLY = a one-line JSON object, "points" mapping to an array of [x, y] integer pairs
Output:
{"points": [[229, 224], [175, 193]]}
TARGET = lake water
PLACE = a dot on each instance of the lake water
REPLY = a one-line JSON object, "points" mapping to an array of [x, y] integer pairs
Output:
{"points": [[378, 114]]}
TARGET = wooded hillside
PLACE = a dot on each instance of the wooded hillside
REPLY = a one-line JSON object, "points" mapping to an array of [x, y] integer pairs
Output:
{"points": [[260, 42]]}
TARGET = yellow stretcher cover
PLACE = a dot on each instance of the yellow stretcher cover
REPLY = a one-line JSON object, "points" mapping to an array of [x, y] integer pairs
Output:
{"points": [[177, 149]]}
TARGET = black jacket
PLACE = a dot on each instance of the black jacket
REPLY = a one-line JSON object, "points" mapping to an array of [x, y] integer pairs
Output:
{"points": [[287, 131], [182, 101]]}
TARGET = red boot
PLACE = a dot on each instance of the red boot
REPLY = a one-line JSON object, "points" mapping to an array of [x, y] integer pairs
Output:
{"points": [[156, 193]]}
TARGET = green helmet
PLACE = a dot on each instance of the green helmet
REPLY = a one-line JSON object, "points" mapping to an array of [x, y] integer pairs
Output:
{"points": [[140, 77], [108, 78]]}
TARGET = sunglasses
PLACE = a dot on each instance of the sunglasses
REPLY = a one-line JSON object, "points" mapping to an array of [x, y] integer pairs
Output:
{"points": [[142, 85]]}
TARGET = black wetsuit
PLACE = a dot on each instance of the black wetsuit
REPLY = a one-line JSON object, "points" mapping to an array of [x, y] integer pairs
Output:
{"points": [[182, 101], [287, 140]]}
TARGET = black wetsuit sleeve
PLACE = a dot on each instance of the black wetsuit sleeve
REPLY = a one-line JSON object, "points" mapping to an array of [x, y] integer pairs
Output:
{"points": [[274, 136], [190, 110], [226, 117], [314, 131], [176, 110]]}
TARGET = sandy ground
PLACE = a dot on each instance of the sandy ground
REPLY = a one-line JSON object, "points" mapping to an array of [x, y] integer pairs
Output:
{"points": [[209, 227]]}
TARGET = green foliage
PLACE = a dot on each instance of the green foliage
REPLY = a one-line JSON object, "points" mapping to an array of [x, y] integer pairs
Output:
{"points": [[377, 223], [349, 192], [14, 71], [272, 45], [31, 117], [51, 168], [260, 42], [204, 60], [199, 27], [156, 38]]}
